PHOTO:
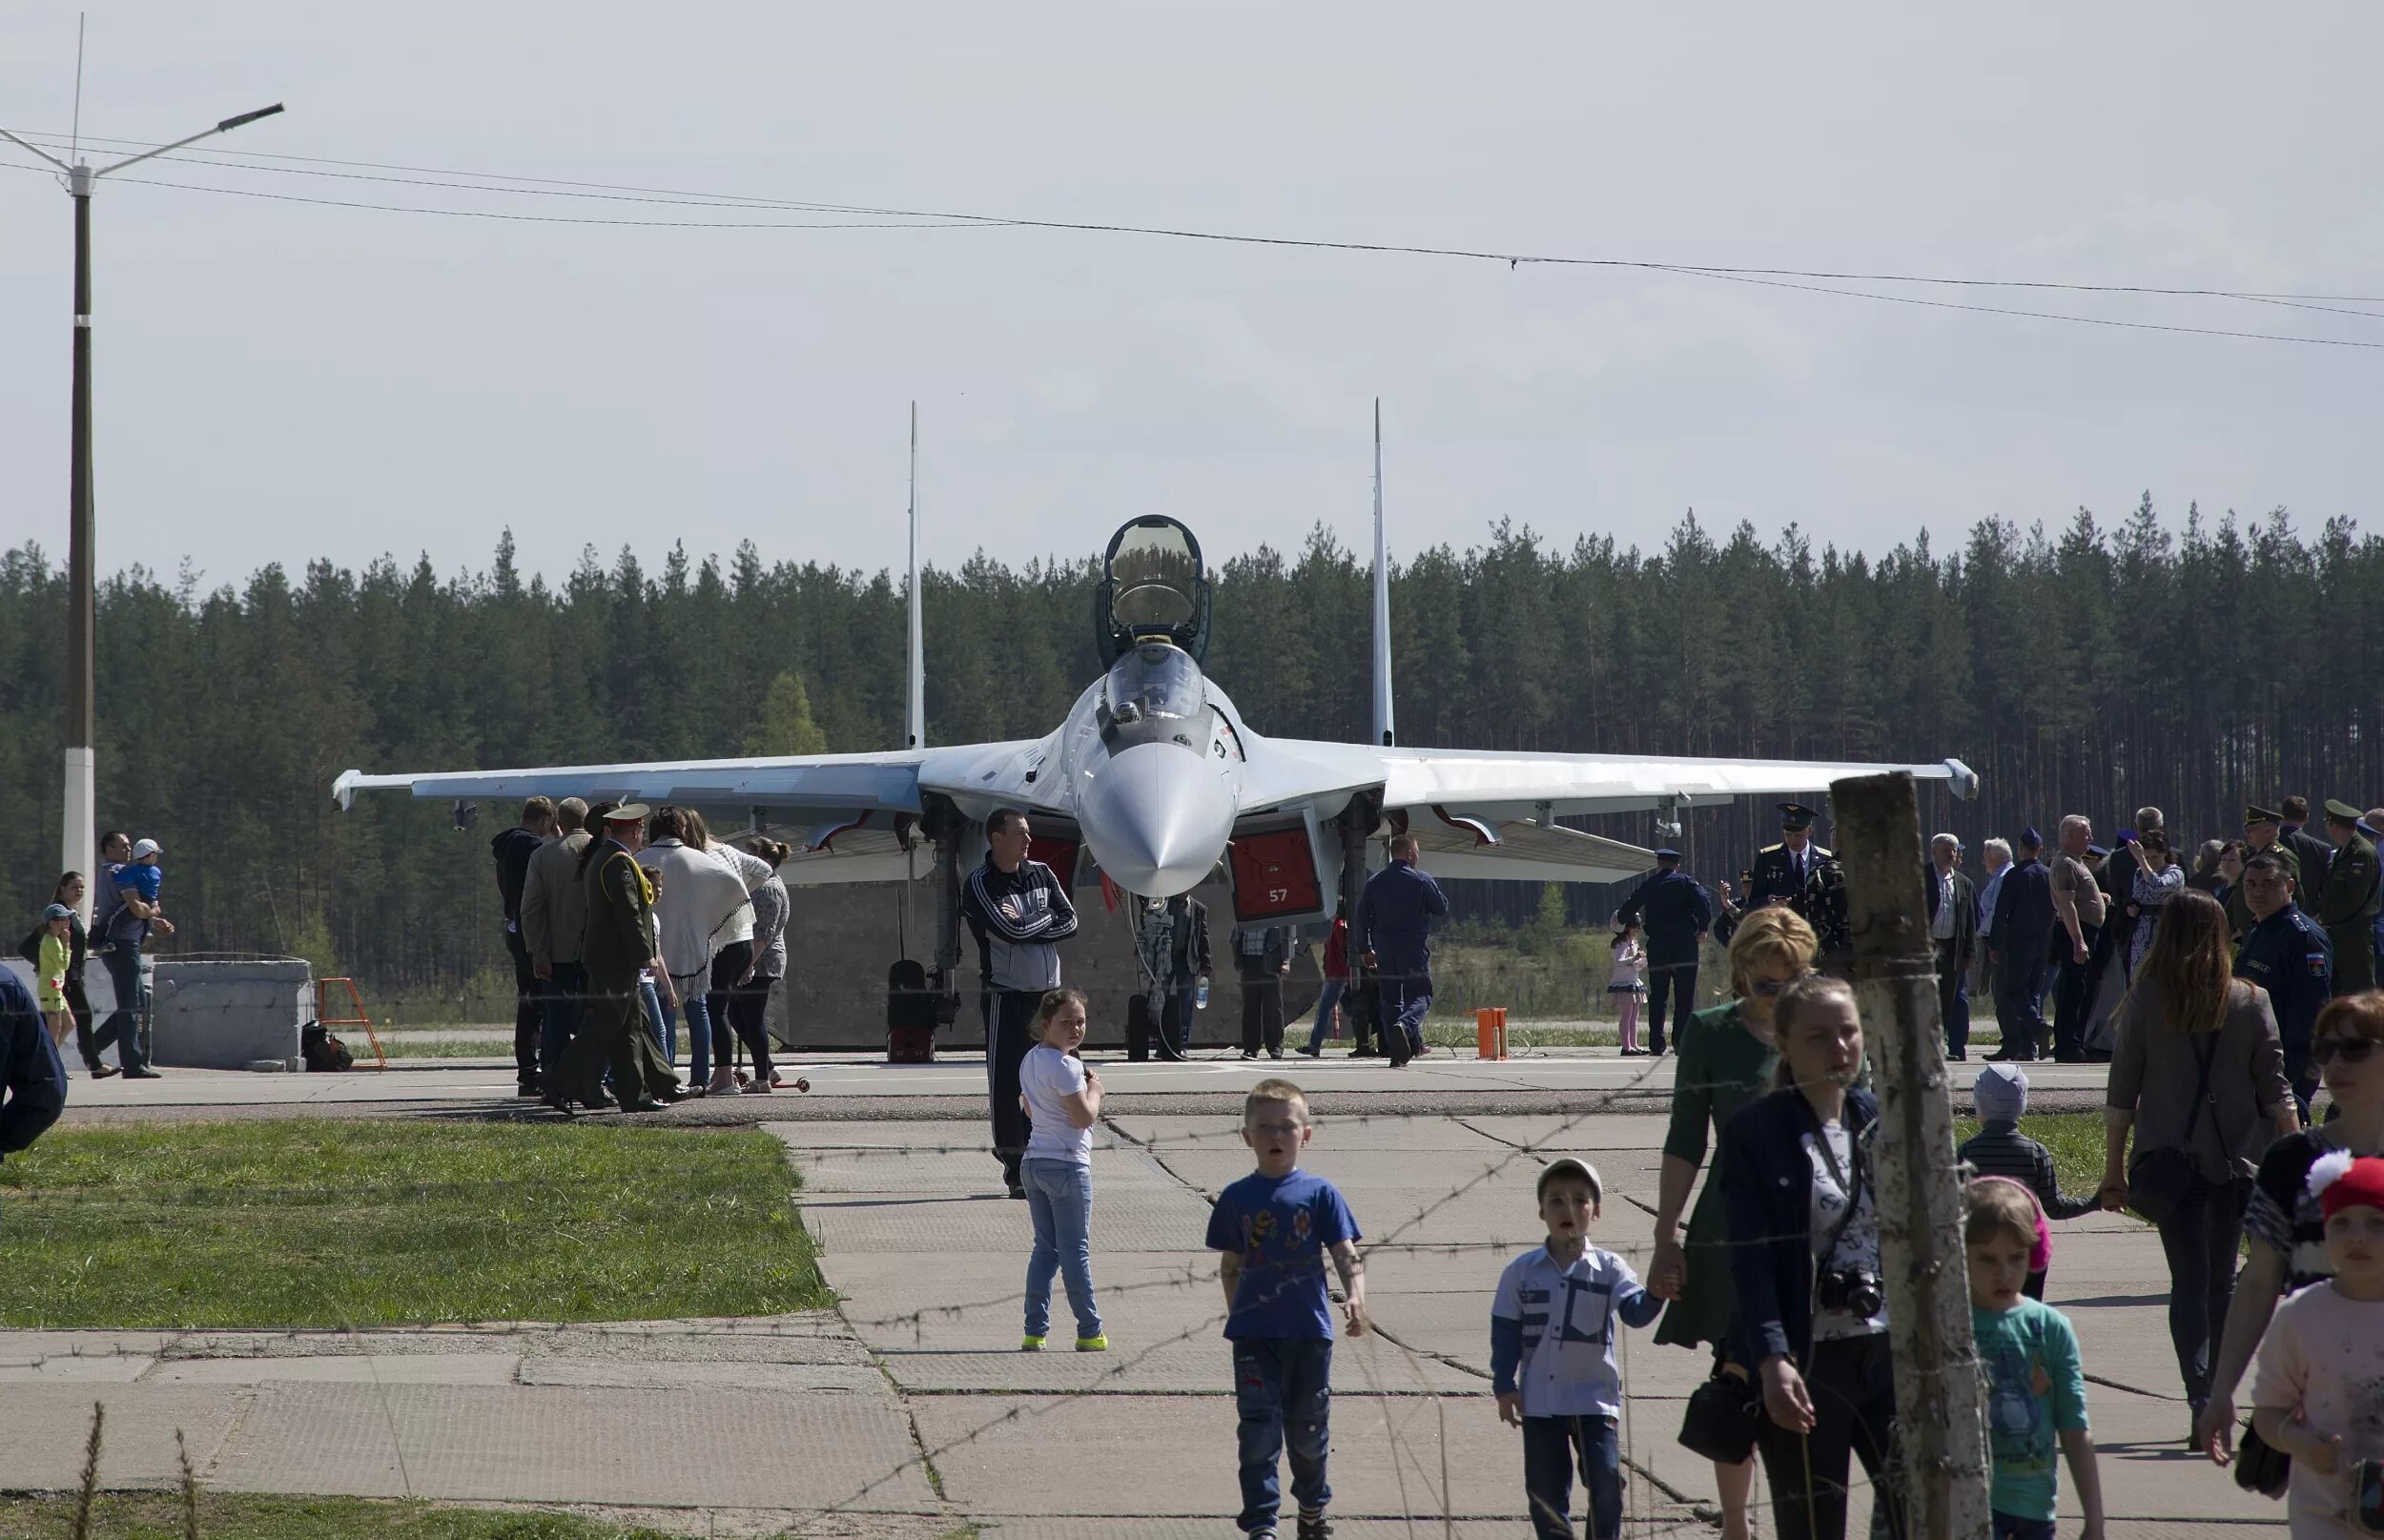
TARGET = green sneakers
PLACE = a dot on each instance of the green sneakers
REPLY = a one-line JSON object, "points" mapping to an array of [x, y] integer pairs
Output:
{"points": [[1083, 1345]]}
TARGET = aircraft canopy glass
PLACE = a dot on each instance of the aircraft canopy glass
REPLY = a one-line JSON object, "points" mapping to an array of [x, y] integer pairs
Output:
{"points": [[1154, 681], [1157, 575]]}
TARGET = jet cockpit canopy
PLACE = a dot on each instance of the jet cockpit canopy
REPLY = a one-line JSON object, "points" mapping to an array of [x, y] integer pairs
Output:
{"points": [[1153, 587], [1155, 694]]}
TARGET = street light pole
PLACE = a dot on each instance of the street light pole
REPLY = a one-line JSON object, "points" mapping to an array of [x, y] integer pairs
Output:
{"points": [[81, 807]]}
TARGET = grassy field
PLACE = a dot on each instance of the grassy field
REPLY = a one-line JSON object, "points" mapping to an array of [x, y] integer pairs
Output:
{"points": [[322, 1223], [158, 1516]]}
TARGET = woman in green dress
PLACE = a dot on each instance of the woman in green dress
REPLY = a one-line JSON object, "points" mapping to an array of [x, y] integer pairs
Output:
{"points": [[1725, 1061]]}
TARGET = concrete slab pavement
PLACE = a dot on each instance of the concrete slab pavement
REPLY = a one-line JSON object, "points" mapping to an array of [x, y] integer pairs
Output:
{"points": [[702, 1420], [1342, 1085], [1415, 1394]]}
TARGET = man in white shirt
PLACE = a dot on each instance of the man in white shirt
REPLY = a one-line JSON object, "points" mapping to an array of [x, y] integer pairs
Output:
{"points": [[1953, 932]]}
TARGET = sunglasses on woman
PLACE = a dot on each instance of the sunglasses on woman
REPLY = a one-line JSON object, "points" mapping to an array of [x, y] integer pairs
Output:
{"points": [[1765, 989], [2353, 1049]]}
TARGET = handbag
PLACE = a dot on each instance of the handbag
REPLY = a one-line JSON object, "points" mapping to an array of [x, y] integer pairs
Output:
{"points": [[1721, 1421], [2158, 1179], [2261, 1467]]}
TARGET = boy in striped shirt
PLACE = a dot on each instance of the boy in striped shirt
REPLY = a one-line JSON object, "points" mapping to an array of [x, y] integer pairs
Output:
{"points": [[1552, 1355]]}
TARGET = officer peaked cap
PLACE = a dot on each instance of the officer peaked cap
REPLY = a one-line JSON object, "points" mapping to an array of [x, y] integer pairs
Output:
{"points": [[2343, 813], [1794, 815]]}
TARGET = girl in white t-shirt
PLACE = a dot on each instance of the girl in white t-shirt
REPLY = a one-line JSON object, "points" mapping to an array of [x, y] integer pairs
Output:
{"points": [[1627, 987], [1062, 1100]]}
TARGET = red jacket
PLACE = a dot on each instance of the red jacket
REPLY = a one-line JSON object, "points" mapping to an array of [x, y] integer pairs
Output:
{"points": [[1337, 950]]}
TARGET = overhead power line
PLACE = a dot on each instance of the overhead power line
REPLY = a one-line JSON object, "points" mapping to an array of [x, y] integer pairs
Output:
{"points": [[866, 216]]}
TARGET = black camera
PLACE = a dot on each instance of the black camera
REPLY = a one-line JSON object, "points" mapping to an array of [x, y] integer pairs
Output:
{"points": [[1855, 1291]]}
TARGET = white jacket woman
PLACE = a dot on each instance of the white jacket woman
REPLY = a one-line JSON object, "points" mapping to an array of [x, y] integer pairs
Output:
{"points": [[697, 909]]}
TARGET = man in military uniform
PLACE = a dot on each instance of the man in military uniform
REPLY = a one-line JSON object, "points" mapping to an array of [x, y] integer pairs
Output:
{"points": [[2349, 901], [2313, 853], [2287, 954], [2262, 834], [1807, 879], [1674, 909], [616, 950]]}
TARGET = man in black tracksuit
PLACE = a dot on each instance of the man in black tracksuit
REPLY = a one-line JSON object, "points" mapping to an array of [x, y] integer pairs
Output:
{"points": [[512, 851], [1018, 912]]}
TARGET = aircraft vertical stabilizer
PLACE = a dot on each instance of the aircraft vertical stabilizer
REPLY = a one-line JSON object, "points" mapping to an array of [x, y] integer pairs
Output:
{"points": [[914, 708], [1386, 732]]}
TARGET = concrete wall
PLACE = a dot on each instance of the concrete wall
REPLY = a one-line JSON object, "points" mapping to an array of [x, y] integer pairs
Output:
{"points": [[218, 1015]]}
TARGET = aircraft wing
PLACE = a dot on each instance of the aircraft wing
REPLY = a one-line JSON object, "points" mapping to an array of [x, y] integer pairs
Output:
{"points": [[1491, 813], [847, 814], [1509, 783]]}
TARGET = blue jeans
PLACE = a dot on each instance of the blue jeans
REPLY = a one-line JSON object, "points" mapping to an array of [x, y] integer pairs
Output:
{"points": [[1334, 990], [697, 1013], [657, 1025], [2009, 1528], [563, 1002], [1550, 1448], [123, 1024], [1283, 1388], [1059, 1200]]}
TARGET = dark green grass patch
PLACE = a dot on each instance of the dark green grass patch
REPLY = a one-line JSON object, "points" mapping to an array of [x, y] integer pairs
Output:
{"points": [[362, 1223], [158, 1516]]}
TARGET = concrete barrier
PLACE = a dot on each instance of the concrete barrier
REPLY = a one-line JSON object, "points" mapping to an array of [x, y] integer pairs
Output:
{"points": [[216, 1015]]}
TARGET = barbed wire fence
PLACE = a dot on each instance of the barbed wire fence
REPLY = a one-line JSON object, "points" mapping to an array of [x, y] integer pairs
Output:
{"points": [[1425, 1459]]}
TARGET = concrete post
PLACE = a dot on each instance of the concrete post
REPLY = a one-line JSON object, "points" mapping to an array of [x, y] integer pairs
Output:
{"points": [[1941, 1403]]}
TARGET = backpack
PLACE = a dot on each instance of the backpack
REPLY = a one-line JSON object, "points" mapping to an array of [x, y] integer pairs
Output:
{"points": [[324, 1053], [910, 1015]]}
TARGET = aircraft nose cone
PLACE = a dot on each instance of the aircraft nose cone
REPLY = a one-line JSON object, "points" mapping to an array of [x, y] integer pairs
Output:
{"points": [[1157, 818]]}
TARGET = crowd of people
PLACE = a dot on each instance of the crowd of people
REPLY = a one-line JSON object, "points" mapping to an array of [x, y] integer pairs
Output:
{"points": [[625, 922], [2220, 1004]]}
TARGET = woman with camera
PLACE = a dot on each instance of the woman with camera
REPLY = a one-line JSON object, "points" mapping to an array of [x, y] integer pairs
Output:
{"points": [[1725, 1061], [1812, 1312], [2198, 1075]]}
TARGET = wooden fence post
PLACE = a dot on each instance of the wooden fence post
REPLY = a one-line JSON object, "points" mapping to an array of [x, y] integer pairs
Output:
{"points": [[1941, 1403]]}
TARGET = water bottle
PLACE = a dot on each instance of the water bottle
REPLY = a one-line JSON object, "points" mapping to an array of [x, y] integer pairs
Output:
{"points": [[1200, 994]]}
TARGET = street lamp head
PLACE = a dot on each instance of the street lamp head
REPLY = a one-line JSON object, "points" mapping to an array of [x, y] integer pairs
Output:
{"points": [[230, 123]]}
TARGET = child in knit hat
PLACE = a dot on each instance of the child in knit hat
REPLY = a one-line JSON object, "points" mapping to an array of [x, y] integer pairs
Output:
{"points": [[2320, 1396], [2000, 1097]]}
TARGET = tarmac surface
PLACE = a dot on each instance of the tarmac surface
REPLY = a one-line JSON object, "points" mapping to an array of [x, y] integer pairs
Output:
{"points": [[862, 1086], [908, 1409]]}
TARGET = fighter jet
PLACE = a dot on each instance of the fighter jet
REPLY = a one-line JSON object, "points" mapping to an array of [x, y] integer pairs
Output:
{"points": [[1156, 777]]}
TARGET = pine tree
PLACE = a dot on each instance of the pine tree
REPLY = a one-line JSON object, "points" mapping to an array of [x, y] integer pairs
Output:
{"points": [[785, 726]]}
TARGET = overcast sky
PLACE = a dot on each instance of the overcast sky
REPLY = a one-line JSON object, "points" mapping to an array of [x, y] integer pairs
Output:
{"points": [[280, 380]]}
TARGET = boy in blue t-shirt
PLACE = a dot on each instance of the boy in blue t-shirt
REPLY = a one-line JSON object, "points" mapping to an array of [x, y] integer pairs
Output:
{"points": [[1272, 1231], [2035, 1384], [1552, 1355]]}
